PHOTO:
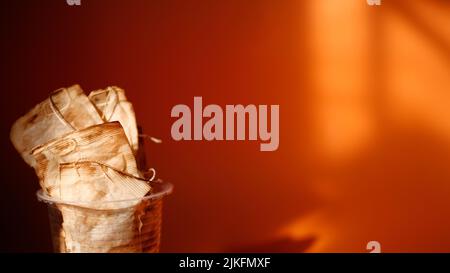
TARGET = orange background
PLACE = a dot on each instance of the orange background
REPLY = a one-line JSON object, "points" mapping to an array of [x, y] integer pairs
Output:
{"points": [[364, 116]]}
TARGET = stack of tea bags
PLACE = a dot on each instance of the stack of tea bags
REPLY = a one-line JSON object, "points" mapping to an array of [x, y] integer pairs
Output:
{"points": [[83, 151]]}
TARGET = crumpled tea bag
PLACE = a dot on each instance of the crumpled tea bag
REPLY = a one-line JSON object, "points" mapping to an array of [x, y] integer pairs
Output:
{"points": [[99, 186], [106, 214], [66, 110], [92, 230], [113, 105], [105, 143]]}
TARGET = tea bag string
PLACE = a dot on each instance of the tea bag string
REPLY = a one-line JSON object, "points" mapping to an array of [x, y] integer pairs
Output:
{"points": [[153, 139], [56, 110], [104, 167], [153, 174]]}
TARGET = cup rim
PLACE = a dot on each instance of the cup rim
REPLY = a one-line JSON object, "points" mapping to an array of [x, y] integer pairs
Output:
{"points": [[159, 190]]}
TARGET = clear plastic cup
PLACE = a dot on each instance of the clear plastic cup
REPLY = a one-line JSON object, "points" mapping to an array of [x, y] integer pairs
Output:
{"points": [[134, 227]]}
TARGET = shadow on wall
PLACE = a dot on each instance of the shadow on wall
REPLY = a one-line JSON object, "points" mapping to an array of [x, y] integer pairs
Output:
{"points": [[393, 187]]}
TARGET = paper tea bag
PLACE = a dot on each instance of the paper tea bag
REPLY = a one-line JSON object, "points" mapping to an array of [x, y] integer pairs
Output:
{"points": [[66, 110], [99, 186], [113, 105], [98, 221], [132, 229], [92, 230], [104, 143]]}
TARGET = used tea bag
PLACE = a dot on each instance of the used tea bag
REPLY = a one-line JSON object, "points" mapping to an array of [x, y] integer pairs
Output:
{"points": [[100, 221], [131, 229], [98, 186], [93, 230], [113, 105], [107, 210], [66, 110], [104, 143]]}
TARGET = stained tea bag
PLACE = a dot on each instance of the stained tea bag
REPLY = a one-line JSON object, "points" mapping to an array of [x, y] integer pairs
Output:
{"points": [[104, 143], [98, 186], [100, 222], [107, 212], [66, 110], [113, 105], [93, 230]]}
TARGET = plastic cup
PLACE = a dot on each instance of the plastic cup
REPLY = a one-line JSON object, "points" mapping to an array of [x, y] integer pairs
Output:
{"points": [[135, 226]]}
